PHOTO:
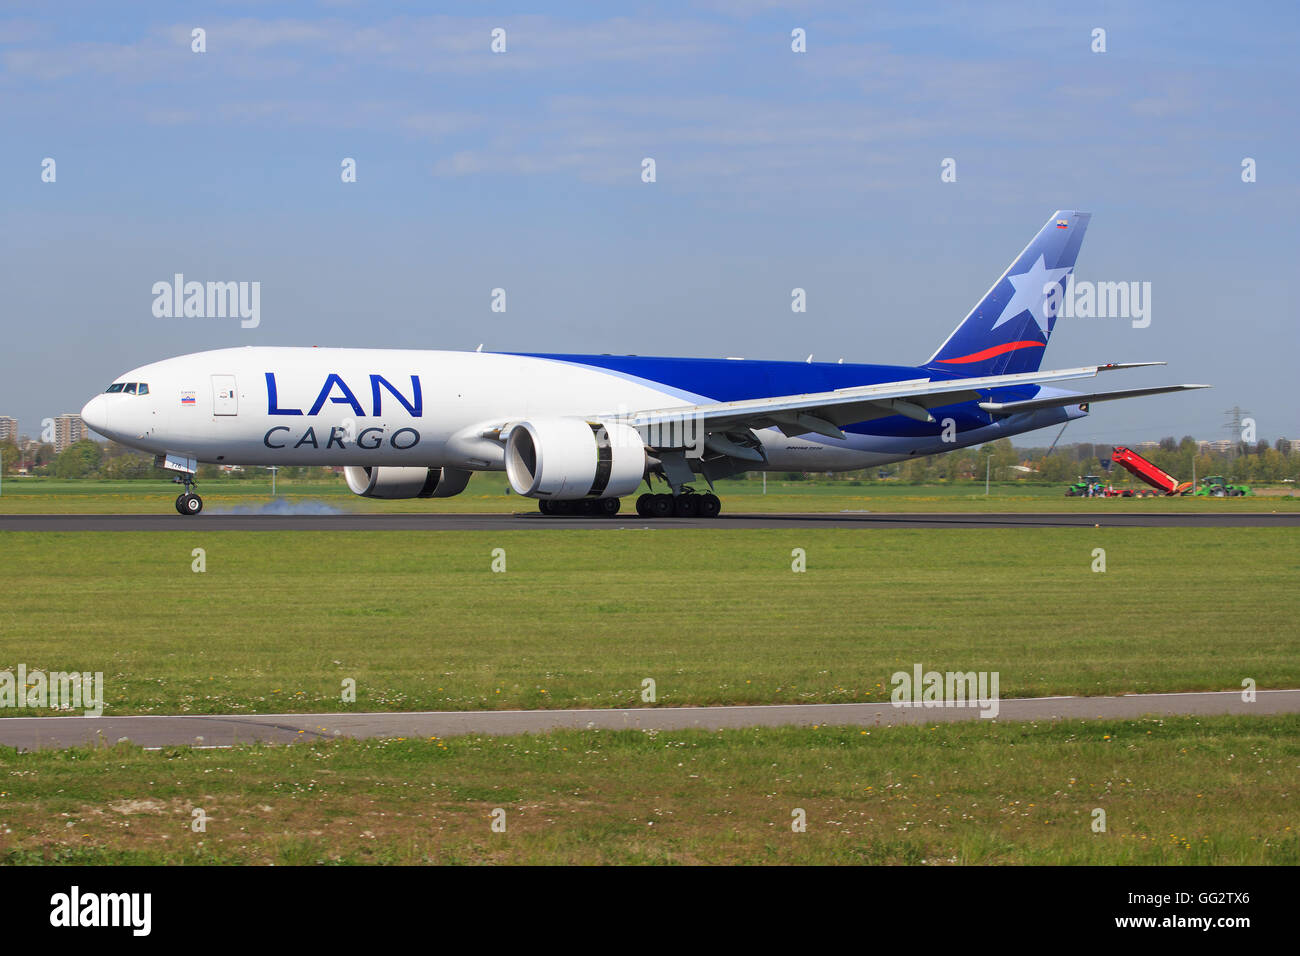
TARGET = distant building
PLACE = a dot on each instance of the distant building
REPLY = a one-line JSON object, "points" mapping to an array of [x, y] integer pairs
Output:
{"points": [[8, 428], [68, 430]]}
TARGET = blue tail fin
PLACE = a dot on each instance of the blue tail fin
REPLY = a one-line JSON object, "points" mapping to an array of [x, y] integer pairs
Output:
{"points": [[1007, 331]]}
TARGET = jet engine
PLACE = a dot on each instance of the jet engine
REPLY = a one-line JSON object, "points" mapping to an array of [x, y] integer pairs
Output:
{"points": [[402, 482], [561, 459]]}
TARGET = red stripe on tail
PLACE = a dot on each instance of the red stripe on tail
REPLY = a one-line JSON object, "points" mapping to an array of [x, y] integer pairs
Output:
{"points": [[995, 350]]}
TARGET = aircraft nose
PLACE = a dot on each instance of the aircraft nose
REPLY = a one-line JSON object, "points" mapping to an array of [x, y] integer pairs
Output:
{"points": [[95, 414]]}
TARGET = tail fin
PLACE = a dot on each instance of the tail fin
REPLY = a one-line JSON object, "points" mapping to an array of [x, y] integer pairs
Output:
{"points": [[1007, 331]]}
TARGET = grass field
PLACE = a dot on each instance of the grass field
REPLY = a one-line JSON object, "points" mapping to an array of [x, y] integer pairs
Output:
{"points": [[487, 493], [278, 620], [1174, 791]]}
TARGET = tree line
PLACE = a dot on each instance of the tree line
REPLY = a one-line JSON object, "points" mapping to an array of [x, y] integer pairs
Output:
{"points": [[1258, 463]]}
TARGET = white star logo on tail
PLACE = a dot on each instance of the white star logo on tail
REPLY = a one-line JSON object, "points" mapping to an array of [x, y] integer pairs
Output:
{"points": [[1029, 294]]}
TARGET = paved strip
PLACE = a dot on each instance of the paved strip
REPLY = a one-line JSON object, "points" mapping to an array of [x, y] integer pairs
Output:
{"points": [[532, 521], [34, 733]]}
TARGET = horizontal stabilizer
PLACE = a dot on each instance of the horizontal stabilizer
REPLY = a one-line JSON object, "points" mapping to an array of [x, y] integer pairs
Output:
{"points": [[1034, 404]]}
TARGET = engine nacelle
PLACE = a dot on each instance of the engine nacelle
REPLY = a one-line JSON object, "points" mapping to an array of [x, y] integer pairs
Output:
{"points": [[566, 458], [390, 481]]}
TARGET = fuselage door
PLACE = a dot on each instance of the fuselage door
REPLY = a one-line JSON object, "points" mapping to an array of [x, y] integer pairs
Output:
{"points": [[225, 399]]}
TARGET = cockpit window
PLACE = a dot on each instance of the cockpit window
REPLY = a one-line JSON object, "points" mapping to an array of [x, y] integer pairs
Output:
{"points": [[130, 388], [143, 389], [116, 387]]}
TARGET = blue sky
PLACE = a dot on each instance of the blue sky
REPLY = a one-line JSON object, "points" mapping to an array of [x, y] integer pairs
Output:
{"points": [[774, 170]]}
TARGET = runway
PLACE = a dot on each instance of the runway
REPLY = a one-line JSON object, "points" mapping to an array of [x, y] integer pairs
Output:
{"points": [[33, 733], [532, 521]]}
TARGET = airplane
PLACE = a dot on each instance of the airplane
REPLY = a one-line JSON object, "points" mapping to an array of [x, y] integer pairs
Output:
{"points": [[579, 432]]}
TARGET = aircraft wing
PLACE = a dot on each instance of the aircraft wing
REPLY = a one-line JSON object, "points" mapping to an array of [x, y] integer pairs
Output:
{"points": [[823, 413]]}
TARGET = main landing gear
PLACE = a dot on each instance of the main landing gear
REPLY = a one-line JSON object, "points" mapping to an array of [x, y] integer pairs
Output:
{"points": [[187, 503], [688, 504], [580, 508]]}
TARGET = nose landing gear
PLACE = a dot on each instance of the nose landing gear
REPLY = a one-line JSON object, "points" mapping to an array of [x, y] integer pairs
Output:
{"points": [[187, 503]]}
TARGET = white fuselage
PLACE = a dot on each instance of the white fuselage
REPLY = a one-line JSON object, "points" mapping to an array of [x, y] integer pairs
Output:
{"points": [[369, 407], [319, 407]]}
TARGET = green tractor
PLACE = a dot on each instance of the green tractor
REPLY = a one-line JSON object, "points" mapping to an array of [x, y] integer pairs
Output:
{"points": [[1090, 486], [1216, 486]]}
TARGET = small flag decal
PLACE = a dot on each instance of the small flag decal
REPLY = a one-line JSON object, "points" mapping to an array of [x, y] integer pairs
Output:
{"points": [[1062, 224], [187, 398]]}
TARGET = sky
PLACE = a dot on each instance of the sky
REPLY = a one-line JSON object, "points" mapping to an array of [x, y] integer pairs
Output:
{"points": [[775, 170]]}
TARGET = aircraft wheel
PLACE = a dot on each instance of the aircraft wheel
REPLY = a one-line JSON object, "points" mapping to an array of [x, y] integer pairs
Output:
{"points": [[609, 506], [544, 506], [661, 506], [643, 505], [684, 506], [709, 506], [180, 510], [191, 504]]}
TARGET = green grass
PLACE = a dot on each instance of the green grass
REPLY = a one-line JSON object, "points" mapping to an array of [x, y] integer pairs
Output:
{"points": [[1175, 791], [487, 494], [279, 620]]}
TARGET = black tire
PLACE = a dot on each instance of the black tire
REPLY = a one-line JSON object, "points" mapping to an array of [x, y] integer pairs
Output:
{"points": [[708, 506], [643, 505], [684, 506], [609, 506], [179, 509], [661, 506], [544, 506], [192, 504]]}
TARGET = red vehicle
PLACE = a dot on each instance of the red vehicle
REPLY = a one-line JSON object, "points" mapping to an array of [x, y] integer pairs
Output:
{"points": [[1145, 471]]}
